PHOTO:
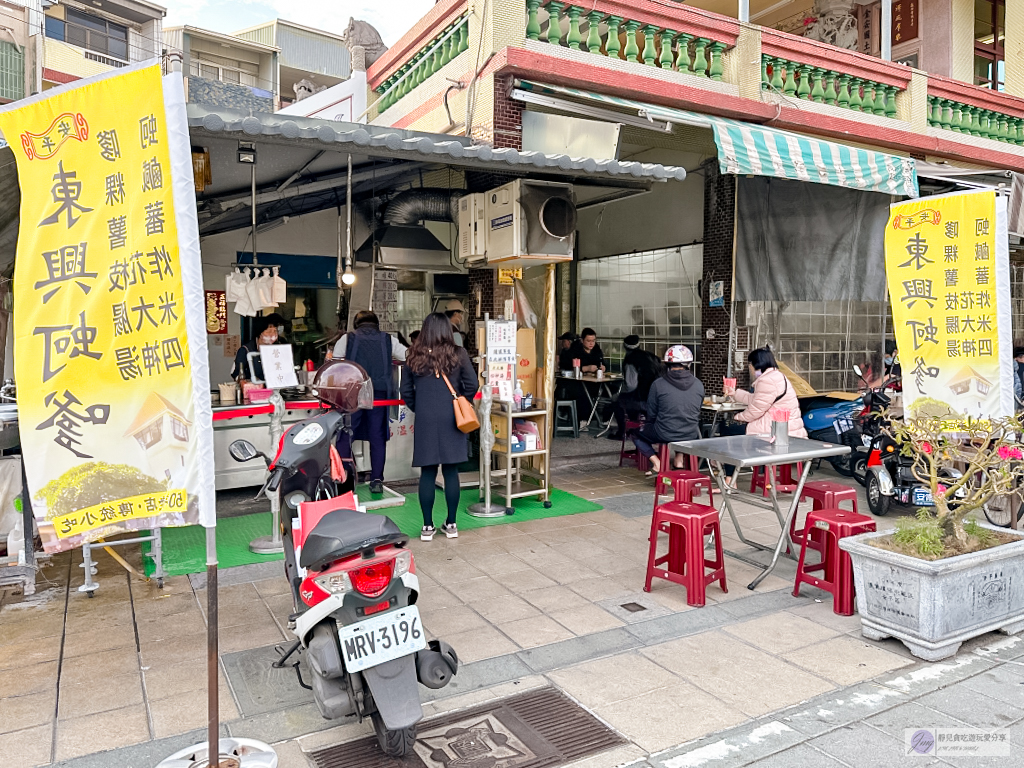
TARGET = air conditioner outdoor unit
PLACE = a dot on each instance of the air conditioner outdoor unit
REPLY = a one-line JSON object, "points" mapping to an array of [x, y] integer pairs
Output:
{"points": [[529, 223], [472, 212]]}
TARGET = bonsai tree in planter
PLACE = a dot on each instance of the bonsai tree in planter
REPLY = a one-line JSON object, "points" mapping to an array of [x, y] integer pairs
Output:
{"points": [[944, 577], [990, 458]]}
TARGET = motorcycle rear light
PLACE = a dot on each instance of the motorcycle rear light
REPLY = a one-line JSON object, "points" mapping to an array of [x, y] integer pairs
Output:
{"points": [[377, 608], [372, 580], [403, 563], [335, 583]]}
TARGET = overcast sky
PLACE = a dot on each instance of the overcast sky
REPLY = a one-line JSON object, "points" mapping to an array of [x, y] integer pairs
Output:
{"points": [[392, 18]]}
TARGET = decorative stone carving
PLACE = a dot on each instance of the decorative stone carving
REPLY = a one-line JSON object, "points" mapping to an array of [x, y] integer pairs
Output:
{"points": [[836, 24], [306, 88], [360, 33]]}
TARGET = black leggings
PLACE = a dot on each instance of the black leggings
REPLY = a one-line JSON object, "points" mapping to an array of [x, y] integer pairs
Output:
{"points": [[428, 478]]}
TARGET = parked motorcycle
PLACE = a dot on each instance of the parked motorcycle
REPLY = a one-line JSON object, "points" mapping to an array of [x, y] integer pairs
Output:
{"points": [[820, 414], [353, 581]]}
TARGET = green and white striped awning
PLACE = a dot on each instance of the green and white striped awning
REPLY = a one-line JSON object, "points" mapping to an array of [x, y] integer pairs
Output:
{"points": [[748, 149]]}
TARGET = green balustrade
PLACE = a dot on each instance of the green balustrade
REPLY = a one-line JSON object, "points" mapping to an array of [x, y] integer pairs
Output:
{"points": [[665, 61], [632, 50], [855, 98], [533, 23], [831, 94], [554, 10], [717, 67], [573, 39], [464, 36], [650, 55], [700, 59], [803, 90], [766, 84], [789, 87], [776, 81], [683, 55], [433, 57], [613, 46], [594, 31]]}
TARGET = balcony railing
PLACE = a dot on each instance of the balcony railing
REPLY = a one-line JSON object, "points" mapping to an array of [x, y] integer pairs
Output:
{"points": [[677, 39], [975, 111], [424, 63]]}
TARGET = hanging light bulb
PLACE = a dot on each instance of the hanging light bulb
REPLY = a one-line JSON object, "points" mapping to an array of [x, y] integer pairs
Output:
{"points": [[347, 277]]}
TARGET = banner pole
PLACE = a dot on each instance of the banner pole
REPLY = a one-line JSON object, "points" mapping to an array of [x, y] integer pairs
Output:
{"points": [[212, 659]]}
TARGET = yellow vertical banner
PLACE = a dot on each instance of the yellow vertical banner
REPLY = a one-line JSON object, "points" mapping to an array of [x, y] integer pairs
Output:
{"points": [[947, 268], [107, 289]]}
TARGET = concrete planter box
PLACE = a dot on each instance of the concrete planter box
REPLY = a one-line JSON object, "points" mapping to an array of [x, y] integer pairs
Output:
{"points": [[933, 606]]}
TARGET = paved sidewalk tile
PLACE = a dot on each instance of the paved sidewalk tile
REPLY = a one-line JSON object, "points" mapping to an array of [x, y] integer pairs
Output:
{"points": [[613, 679], [781, 632], [973, 708], [846, 660], [871, 747]]}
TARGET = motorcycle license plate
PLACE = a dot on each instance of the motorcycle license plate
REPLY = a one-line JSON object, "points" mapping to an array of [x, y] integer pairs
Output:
{"points": [[382, 638], [923, 497]]}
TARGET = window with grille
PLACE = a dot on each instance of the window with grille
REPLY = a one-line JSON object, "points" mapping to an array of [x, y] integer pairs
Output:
{"points": [[12, 72], [213, 67], [89, 32], [653, 294], [989, 43]]}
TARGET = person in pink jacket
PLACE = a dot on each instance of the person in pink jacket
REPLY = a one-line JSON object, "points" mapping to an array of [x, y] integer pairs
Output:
{"points": [[771, 390]]}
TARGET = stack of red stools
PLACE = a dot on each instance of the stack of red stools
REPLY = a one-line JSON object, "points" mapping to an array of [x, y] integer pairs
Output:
{"points": [[785, 480], [684, 482], [825, 527], [685, 563], [823, 495]]}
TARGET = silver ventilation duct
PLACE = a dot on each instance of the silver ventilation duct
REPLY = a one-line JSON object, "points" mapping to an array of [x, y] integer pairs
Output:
{"points": [[401, 241]]}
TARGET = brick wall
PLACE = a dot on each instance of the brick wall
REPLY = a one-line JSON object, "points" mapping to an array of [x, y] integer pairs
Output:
{"points": [[719, 225], [492, 301], [508, 116]]}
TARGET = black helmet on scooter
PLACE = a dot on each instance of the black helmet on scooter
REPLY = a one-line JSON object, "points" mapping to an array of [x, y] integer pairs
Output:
{"points": [[344, 385]]}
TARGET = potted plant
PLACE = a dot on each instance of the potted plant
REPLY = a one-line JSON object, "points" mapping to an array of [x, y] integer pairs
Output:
{"points": [[943, 577]]}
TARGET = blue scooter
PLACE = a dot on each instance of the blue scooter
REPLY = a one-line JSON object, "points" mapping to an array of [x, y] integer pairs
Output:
{"points": [[819, 415]]}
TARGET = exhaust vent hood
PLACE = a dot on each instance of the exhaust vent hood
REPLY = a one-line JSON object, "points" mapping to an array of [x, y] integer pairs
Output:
{"points": [[406, 247]]}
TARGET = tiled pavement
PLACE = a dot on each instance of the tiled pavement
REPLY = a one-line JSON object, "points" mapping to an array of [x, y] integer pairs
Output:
{"points": [[753, 678]]}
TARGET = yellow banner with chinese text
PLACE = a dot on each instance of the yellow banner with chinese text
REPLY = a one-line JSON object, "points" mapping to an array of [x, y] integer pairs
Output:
{"points": [[947, 269], [102, 355]]}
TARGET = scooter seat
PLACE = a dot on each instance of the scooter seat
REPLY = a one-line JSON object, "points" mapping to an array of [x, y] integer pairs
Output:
{"points": [[344, 532]]}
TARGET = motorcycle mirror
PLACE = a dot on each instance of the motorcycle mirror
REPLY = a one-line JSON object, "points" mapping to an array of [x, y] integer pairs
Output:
{"points": [[856, 369], [243, 450]]}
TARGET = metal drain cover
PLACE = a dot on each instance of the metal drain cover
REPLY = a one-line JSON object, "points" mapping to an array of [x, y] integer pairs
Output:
{"points": [[536, 729], [633, 607]]}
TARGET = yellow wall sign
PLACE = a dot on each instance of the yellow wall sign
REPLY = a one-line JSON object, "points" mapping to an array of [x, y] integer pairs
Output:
{"points": [[947, 268], [109, 426], [509, 276]]}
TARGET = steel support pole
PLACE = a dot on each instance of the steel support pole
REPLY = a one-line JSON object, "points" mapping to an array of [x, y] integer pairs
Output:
{"points": [[887, 30], [744, 13], [212, 642]]}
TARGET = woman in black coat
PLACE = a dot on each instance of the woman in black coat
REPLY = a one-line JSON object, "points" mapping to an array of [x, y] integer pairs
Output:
{"points": [[436, 439]]}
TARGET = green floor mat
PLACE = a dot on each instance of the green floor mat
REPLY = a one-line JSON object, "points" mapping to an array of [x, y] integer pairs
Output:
{"points": [[409, 518], [185, 548]]}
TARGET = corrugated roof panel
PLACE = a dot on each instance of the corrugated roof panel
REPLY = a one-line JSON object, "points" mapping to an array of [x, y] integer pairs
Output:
{"points": [[264, 34], [314, 53]]}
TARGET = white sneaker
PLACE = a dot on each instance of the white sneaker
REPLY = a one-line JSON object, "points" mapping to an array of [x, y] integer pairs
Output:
{"points": [[427, 533], [451, 530]]}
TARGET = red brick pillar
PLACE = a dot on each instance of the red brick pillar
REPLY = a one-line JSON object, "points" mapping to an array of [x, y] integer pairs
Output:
{"points": [[508, 116], [719, 231]]}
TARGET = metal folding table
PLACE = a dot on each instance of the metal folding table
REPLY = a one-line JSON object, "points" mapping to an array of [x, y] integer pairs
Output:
{"points": [[720, 408], [602, 385], [748, 451]]}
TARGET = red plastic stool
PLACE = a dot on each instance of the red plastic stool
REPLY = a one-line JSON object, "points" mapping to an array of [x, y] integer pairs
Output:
{"points": [[633, 455], [686, 526], [668, 477], [826, 527], [823, 495], [785, 481]]}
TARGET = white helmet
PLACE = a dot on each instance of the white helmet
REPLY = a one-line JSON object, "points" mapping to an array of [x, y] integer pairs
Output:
{"points": [[678, 353]]}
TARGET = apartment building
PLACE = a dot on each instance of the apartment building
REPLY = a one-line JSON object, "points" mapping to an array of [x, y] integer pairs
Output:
{"points": [[80, 39], [309, 60], [225, 71]]}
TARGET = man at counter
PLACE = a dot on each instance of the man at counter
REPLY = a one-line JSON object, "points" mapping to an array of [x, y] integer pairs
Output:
{"points": [[374, 350], [264, 332], [455, 312]]}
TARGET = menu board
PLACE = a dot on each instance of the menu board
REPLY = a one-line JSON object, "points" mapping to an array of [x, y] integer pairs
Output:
{"points": [[501, 358], [385, 299]]}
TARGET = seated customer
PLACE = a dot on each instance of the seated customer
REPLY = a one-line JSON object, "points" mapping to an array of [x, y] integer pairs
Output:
{"points": [[673, 406], [587, 351], [565, 342], [640, 369]]}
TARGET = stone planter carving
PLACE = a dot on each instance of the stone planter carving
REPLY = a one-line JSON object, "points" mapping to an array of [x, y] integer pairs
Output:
{"points": [[934, 606]]}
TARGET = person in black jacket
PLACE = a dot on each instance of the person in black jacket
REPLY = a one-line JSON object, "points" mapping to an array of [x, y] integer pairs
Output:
{"points": [[374, 350], [640, 369], [673, 406], [436, 438]]}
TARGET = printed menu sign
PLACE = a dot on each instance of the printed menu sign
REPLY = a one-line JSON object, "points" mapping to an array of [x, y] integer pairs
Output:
{"points": [[947, 267], [110, 322]]}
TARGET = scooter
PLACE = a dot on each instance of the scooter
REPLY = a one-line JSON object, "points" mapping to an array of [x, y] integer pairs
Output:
{"points": [[820, 414], [353, 581]]}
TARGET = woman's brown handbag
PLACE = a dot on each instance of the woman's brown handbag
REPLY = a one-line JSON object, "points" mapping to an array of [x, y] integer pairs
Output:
{"points": [[465, 416]]}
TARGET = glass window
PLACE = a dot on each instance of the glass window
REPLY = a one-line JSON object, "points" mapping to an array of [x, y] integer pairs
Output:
{"points": [[989, 41], [54, 28], [150, 435], [179, 429]]}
